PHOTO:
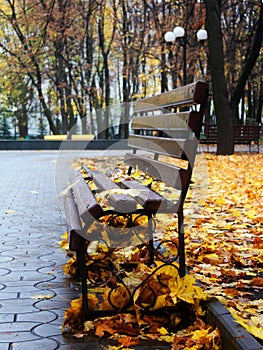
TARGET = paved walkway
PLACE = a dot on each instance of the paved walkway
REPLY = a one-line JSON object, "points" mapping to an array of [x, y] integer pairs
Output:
{"points": [[34, 292], [33, 289]]}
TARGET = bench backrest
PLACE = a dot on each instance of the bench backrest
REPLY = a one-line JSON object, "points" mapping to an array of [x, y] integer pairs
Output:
{"points": [[241, 132], [250, 132], [167, 126]]}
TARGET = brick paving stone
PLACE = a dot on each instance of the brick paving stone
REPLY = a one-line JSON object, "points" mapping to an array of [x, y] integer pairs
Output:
{"points": [[20, 336], [38, 317], [44, 343], [53, 304], [16, 306], [47, 330], [16, 327], [6, 318], [38, 294]]}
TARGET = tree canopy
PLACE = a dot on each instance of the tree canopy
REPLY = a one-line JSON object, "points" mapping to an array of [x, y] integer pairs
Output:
{"points": [[77, 57]]}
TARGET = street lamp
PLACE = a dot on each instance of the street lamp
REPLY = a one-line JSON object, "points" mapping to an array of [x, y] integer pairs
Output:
{"points": [[179, 34]]}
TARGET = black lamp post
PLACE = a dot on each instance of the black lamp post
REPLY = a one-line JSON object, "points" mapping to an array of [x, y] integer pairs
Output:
{"points": [[179, 34]]}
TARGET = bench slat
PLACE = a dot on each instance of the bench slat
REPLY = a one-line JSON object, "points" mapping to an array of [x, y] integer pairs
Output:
{"points": [[86, 202], [171, 175], [166, 146], [149, 200], [195, 93], [186, 122], [120, 201], [74, 226]]}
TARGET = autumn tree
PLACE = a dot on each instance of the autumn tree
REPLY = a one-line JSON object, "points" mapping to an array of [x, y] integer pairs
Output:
{"points": [[226, 101], [83, 56], [22, 48]]}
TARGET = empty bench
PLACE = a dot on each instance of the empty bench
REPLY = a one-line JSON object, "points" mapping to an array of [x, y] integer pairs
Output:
{"points": [[164, 140], [243, 135]]}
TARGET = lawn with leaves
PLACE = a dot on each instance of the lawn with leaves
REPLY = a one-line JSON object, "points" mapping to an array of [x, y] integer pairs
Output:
{"points": [[224, 252]]}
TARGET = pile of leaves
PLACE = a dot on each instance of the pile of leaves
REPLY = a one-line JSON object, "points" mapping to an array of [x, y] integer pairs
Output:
{"points": [[181, 323], [224, 224]]}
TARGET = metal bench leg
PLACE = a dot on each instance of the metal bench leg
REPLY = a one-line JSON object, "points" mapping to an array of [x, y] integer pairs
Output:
{"points": [[150, 235], [83, 273], [181, 243]]}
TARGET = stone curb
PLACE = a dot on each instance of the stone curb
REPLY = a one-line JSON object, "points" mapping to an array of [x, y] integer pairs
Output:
{"points": [[234, 336]]}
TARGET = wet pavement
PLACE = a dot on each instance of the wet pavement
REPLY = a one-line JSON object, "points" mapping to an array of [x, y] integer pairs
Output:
{"points": [[34, 292], [33, 289]]}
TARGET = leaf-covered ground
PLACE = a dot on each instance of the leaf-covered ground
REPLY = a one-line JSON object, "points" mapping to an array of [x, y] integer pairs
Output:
{"points": [[224, 240], [224, 250]]}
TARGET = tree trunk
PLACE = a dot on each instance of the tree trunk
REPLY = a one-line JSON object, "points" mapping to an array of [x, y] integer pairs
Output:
{"points": [[224, 114], [124, 126], [249, 63]]}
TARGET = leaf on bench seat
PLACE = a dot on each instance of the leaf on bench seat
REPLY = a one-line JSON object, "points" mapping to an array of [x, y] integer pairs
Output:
{"points": [[118, 199], [108, 193]]}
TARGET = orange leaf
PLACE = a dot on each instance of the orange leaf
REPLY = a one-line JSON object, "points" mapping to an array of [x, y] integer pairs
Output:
{"points": [[128, 341], [257, 281], [231, 292], [258, 243]]}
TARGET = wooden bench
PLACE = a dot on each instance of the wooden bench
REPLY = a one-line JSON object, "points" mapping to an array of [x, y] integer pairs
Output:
{"points": [[164, 143], [243, 135]]}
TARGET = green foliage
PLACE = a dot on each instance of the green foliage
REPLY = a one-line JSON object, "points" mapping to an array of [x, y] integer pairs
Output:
{"points": [[4, 128]]}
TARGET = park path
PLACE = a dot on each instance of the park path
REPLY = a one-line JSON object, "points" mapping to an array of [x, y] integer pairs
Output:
{"points": [[33, 289]]}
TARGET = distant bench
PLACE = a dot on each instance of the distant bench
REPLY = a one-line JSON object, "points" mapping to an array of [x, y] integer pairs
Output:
{"points": [[65, 137], [243, 135]]}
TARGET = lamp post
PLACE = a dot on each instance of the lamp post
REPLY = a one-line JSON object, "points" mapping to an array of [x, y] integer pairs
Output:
{"points": [[179, 34]]}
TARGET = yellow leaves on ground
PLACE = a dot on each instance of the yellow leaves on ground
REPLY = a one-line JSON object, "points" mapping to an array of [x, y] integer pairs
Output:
{"points": [[42, 296], [224, 245], [74, 315], [70, 268], [8, 212], [159, 289], [64, 241], [224, 239]]}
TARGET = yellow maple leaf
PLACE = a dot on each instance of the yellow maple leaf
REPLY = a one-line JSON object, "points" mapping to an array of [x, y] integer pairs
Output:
{"points": [[252, 325], [186, 290], [70, 268], [64, 241]]}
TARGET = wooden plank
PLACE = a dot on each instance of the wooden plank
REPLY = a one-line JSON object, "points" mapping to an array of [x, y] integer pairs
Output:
{"points": [[171, 175], [195, 93], [184, 123], [158, 145], [148, 199], [74, 225], [86, 202], [166, 146], [72, 217], [161, 121], [121, 202]]}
